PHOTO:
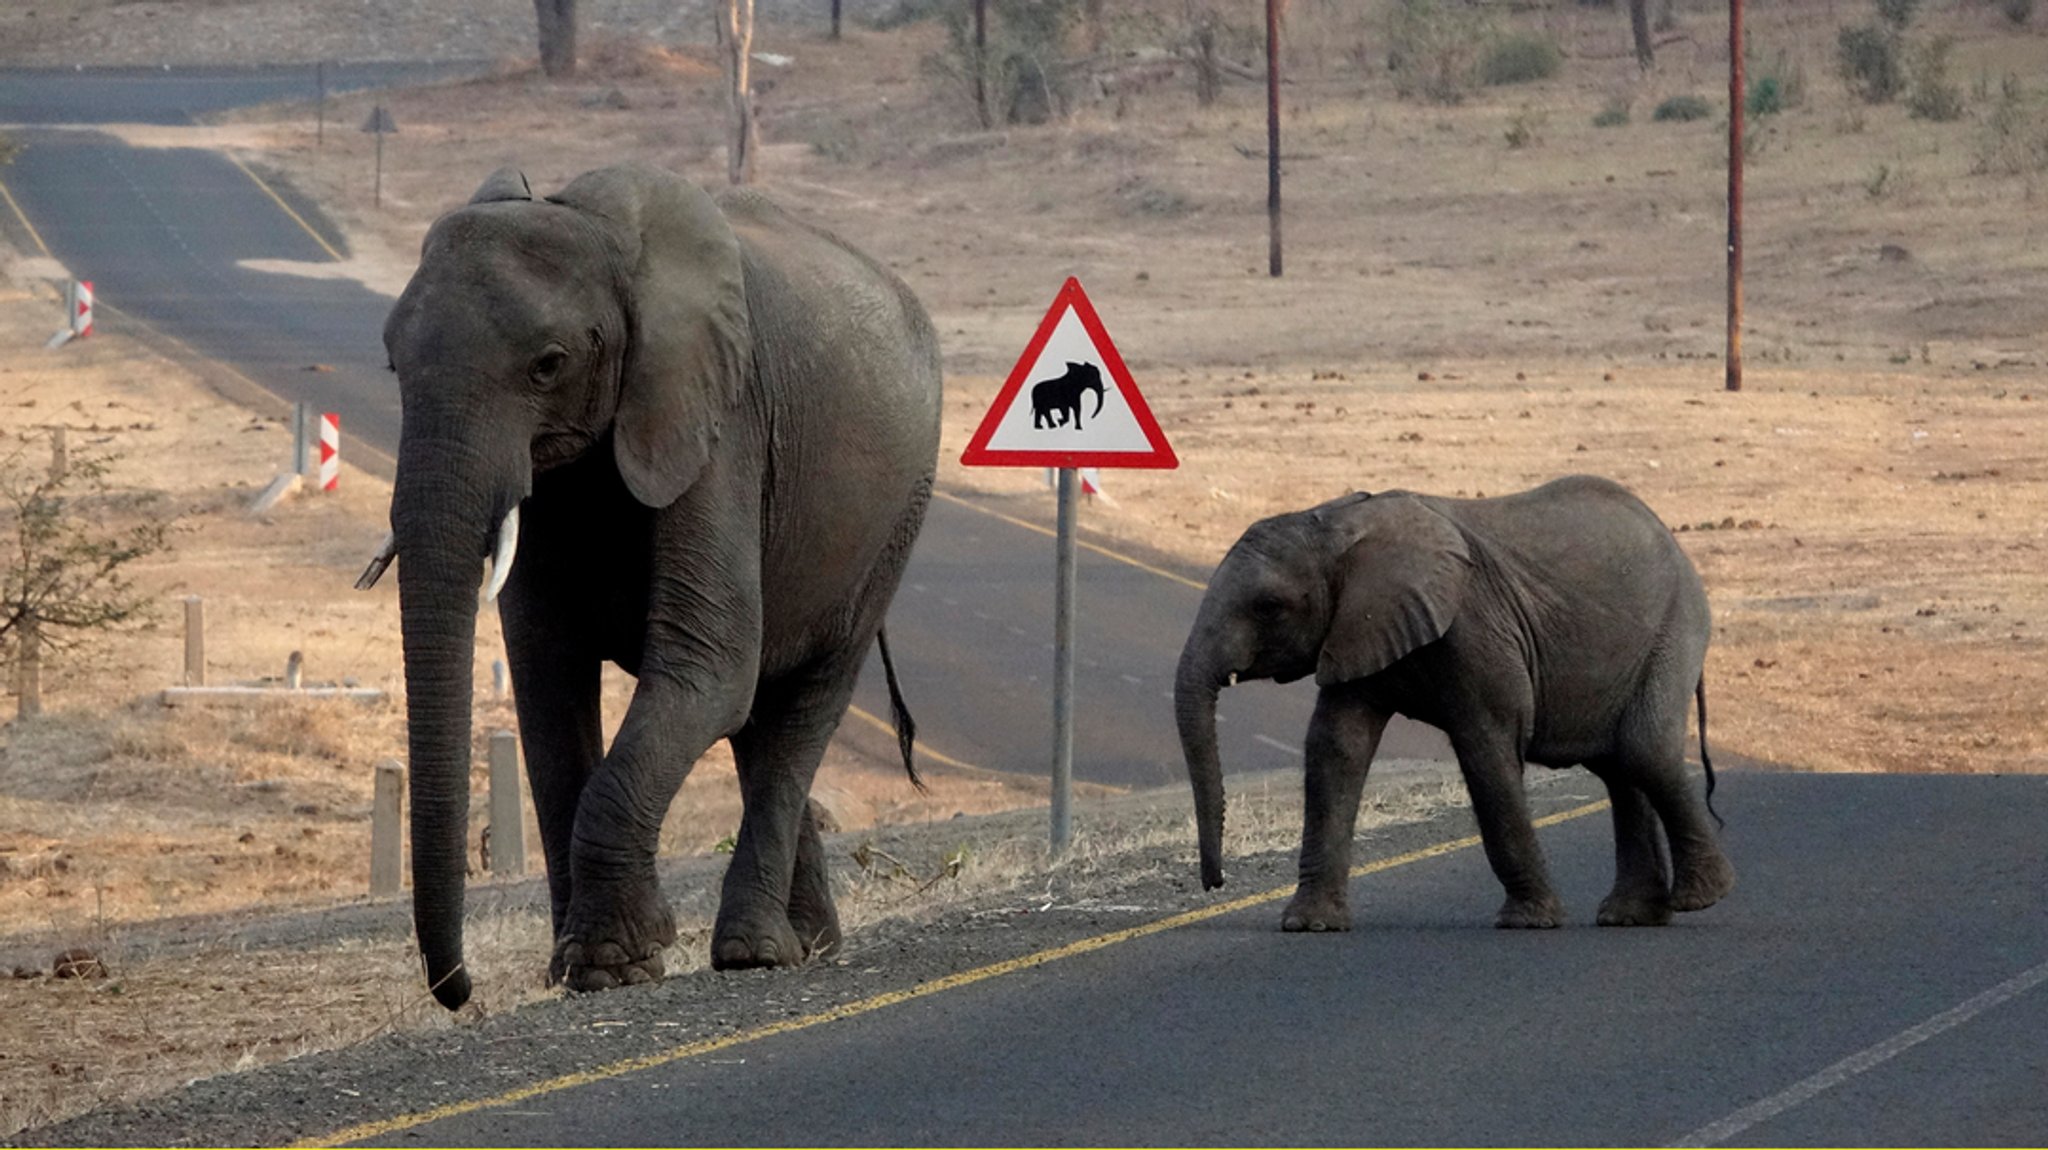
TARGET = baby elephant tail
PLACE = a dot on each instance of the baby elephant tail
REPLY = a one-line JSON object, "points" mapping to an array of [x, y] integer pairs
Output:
{"points": [[906, 727], [1699, 694]]}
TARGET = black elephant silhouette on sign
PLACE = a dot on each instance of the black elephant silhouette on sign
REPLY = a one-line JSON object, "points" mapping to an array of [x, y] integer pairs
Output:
{"points": [[1053, 401]]}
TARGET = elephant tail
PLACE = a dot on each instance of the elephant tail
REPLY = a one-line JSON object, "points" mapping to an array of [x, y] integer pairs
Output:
{"points": [[1699, 694], [899, 714]]}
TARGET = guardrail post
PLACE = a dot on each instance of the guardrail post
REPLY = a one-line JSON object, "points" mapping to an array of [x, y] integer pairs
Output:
{"points": [[387, 840], [195, 641], [508, 824]]}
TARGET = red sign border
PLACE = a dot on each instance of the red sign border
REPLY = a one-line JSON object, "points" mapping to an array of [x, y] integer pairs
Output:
{"points": [[978, 452]]}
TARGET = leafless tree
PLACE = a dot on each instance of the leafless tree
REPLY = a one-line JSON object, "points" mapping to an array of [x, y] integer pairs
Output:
{"points": [[64, 565], [1639, 24], [557, 19], [745, 135]]}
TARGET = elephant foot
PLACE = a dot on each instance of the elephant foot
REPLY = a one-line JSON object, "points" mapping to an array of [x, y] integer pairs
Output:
{"points": [[613, 942], [1530, 914], [1315, 912], [745, 942], [1639, 909], [1702, 883]]}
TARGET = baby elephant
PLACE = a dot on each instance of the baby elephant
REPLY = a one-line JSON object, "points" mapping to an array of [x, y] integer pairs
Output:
{"points": [[1560, 626]]}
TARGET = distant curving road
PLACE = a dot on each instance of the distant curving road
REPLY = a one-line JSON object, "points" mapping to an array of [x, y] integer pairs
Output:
{"points": [[162, 232]]}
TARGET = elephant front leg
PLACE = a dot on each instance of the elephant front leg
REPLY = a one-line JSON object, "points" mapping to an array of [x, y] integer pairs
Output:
{"points": [[1343, 736], [1492, 767], [618, 922]]}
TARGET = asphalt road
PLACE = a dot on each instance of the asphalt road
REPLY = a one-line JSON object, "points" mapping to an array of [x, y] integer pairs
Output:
{"points": [[163, 232], [1818, 1006], [1876, 978]]}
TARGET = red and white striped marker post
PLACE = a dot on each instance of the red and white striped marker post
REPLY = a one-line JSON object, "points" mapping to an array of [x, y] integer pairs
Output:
{"points": [[81, 308], [78, 314], [330, 451]]}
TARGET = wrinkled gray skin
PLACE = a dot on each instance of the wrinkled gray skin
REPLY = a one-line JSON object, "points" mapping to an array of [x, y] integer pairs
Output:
{"points": [[1559, 626], [720, 426]]}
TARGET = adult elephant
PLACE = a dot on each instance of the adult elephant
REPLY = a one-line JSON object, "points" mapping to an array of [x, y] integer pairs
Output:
{"points": [[1560, 626], [708, 431]]}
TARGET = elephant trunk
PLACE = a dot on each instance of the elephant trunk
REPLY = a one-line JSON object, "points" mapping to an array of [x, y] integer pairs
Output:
{"points": [[443, 515], [1196, 686], [1099, 392]]}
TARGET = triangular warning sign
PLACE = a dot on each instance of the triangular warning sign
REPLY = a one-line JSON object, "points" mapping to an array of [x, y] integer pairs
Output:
{"points": [[1070, 401]]}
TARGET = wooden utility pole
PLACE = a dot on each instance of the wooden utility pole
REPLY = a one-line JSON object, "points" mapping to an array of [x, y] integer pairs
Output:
{"points": [[739, 48], [1735, 99], [1273, 137], [981, 63]]}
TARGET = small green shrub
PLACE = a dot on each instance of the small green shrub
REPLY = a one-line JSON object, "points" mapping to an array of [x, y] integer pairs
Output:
{"points": [[1867, 56], [1930, 95], [2014, 141], [1021, 71], [1520, 59], [1683, 108], [1612, 115], [1433, 48], [1766, 97], [1897, 14], [2016, 11]]}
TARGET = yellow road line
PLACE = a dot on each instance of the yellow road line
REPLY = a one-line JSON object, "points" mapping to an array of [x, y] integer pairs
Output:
{"points": [[287, 208], [1082, 543], [990, 774], [893, 998], [925, 749], [23, 217]]}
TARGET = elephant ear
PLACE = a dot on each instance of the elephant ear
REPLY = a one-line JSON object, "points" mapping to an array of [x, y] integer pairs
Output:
{"points": [[503, 184], [689, 349], [1399, 585]]}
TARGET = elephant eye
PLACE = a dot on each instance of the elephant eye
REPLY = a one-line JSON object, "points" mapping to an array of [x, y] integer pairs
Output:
{"points": [[548, 364], [1268, 607]]}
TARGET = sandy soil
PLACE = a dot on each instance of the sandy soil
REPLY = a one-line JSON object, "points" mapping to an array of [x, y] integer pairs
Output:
{"points": [[1458, 315]]}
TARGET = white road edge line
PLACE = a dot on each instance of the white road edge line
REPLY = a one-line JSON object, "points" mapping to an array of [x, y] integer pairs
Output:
{"points": [[1866, 1059], [1277, 744]]}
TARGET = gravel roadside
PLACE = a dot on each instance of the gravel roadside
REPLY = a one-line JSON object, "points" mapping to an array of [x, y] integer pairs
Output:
{"points": [[1107, 890]]}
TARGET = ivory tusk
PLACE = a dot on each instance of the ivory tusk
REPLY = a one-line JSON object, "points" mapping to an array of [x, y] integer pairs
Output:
{"points": [[386, 552], [501, 560], [1233, 678]]}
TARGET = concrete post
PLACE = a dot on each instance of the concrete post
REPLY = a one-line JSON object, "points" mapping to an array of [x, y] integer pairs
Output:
{"points": [[29, 671], [387, 838], [508, 823], [195, 641]]}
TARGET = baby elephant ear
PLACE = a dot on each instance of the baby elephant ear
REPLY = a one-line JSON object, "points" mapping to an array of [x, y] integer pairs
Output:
{"points": [[503, 184], [1399, 586], [690, 350]]}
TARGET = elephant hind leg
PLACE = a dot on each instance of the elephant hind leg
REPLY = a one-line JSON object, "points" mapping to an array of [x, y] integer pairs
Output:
{"points": [[1700, 873], [775, 908], [1642, 879]]}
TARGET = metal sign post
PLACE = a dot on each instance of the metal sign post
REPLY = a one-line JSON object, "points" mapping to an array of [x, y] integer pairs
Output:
{"points": [[1063, 668], [379, 124], [1080, 409]]}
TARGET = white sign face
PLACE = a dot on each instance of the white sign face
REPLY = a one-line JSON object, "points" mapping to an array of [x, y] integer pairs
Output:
{"points": [[1070, 401]]}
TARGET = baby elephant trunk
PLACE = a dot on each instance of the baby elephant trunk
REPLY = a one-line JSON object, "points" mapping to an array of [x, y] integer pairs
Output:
{"points": [[1194, 704]]}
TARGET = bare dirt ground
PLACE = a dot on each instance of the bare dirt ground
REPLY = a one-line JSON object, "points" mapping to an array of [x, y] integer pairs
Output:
{"points": [[1459, 315]]}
